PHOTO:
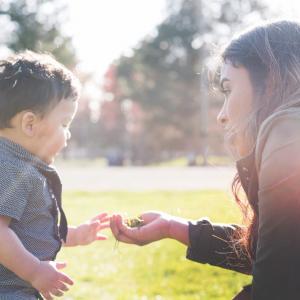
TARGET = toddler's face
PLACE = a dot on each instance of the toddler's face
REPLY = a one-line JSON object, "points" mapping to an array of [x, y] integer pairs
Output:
{"points": [[53, 130]]}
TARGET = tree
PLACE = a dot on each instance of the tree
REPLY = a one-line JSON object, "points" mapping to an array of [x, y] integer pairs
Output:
{"points": [[163, 72], [37, 25]]}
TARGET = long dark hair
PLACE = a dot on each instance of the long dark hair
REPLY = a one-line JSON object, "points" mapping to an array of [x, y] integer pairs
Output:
{"points": [[271, 55]]}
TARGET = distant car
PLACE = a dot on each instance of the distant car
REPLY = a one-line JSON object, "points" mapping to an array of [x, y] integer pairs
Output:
{"points": [[115, 158]]}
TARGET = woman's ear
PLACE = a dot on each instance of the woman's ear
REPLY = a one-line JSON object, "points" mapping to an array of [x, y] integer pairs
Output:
{"points": [[29, 123]]}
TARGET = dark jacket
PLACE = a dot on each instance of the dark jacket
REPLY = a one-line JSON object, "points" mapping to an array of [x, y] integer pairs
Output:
{"points": [[272, 174]]}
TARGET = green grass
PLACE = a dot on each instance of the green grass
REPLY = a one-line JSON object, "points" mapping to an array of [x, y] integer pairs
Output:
{"points": [[158, 271]]}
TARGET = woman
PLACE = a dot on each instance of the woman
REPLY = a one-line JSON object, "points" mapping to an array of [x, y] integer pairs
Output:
{"points": [[260, 78]]}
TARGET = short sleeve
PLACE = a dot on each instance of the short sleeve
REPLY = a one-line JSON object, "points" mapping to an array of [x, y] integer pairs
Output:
{"points": [[14, 190]]}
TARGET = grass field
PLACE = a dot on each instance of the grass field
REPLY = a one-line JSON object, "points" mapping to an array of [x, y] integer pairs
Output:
{"points": [[158, 271]]}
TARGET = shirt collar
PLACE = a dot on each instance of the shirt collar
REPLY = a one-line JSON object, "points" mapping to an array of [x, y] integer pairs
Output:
{"points": [[21, 153]]}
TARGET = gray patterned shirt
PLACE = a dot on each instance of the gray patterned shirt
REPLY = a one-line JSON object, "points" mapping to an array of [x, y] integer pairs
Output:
{"points": [[26, 197]]}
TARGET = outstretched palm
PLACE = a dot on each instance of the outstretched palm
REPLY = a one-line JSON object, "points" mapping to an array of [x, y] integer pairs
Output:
{"points": [[156, 227]]}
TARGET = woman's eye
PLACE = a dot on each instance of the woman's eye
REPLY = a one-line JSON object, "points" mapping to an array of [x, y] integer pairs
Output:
{"points": [[226, 92]]}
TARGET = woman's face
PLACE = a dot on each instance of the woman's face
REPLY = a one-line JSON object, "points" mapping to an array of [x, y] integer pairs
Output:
{"points": [[238, 91]]}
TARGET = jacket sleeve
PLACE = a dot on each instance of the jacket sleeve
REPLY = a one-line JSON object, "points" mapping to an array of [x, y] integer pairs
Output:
{"points": [[276, 271], [215, 244]]}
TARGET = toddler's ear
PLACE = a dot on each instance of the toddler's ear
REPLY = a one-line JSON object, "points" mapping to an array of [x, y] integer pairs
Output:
{"points": [[28, 123]]}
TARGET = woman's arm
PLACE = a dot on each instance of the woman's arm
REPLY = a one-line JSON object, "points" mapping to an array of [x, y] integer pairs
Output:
{"points": [[217, 245], [179, 230], [207, 242]]}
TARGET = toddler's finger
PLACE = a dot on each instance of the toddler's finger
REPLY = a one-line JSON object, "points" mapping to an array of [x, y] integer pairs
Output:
{"points": [[100, 216], [57, 293], [95, 224], [101, 237], [60, 265], [47, 296], [62, 287], [66, 279], [103, 226], [106, 219]]}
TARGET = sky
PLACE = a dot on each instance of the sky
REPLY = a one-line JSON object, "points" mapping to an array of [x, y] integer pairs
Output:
{"points": [[104, 29]]}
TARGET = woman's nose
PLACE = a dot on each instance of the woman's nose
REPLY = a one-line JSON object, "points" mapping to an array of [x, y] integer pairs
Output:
{"points": [[222, 119]]}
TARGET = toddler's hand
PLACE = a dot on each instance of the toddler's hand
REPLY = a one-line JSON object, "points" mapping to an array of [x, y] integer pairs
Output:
{"points": [[88, 232], [49, 281]]}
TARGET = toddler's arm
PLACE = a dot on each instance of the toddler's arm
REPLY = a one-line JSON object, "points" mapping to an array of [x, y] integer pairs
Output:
{"points": [[87, 232], [44, 276]]}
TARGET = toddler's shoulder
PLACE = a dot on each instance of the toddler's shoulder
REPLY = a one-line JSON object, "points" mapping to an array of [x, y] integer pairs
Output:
{"points": [[14, 168]]}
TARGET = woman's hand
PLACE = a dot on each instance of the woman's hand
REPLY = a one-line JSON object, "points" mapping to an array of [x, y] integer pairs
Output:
{"points": [[157, 226]]}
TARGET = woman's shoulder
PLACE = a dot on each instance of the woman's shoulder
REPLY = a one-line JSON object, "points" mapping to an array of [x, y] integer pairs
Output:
{"points": [[278, 146], [281, 120], [280, 129]]}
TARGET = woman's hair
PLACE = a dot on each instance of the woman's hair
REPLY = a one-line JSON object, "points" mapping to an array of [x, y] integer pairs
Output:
{"points": [[271, 55]]}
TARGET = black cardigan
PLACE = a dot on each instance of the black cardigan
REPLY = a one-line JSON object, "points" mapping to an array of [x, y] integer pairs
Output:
{"points": [[276, 268]]}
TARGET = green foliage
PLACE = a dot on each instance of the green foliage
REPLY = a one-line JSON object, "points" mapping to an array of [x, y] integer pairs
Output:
{"points": [[162, 75], [37, 25], [155, 272]]}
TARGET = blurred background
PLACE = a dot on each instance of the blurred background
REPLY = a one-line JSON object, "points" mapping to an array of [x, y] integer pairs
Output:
{"points": [[148, 109], [144, 65]]}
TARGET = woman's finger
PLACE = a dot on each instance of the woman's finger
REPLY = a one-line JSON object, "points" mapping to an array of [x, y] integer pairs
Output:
{"points": [[117, 232], [150, 216], [133, 234], [113, 226], [125, 239]]}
